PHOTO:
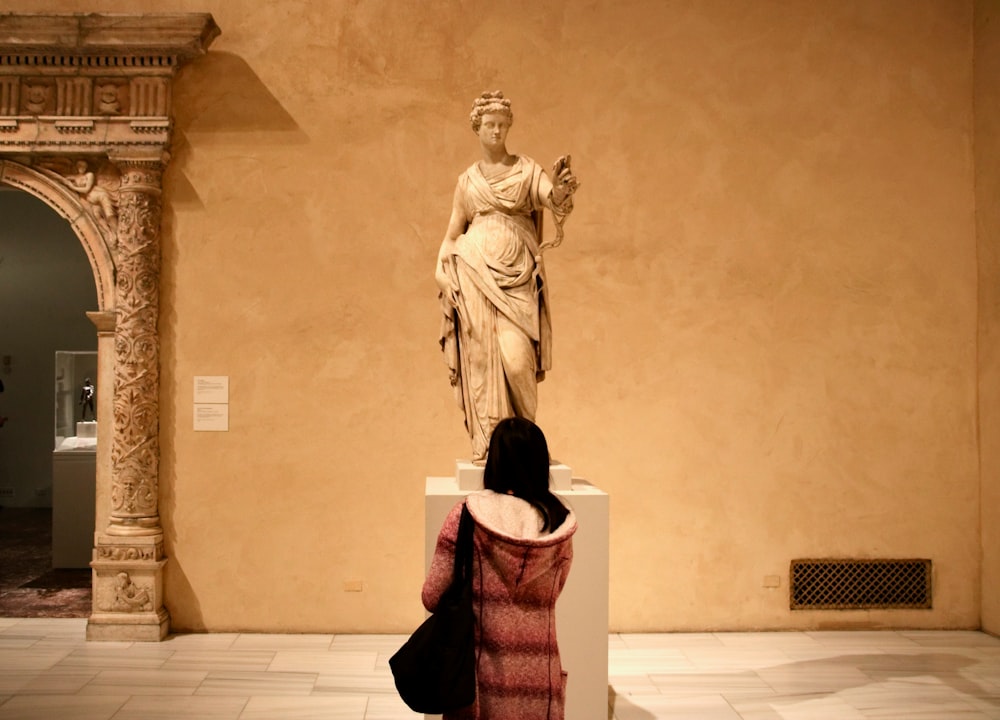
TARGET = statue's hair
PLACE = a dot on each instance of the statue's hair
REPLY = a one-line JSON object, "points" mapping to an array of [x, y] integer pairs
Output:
{"points": [[489, 102]]}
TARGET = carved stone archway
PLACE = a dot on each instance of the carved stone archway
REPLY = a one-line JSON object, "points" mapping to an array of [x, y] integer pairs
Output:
{"points": [[85, 125]]}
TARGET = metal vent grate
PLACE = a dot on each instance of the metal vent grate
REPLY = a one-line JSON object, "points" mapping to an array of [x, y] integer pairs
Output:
{"points": [[860, 584]]}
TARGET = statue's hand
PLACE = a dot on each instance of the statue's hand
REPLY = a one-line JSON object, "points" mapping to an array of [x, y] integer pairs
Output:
{"points": [[564, 182], [448, 291]]}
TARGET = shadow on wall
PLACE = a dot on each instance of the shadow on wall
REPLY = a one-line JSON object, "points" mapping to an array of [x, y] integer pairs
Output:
{"points": [[181, 595], [220, 95]]}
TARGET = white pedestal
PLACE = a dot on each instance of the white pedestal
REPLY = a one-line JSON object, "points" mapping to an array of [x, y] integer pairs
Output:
{"points": [[86, 429], [470, 476], [582, 609], [74, 488]]}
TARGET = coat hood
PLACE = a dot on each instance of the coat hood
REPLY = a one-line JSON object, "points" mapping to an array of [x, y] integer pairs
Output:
{"points": [[510, 538]]}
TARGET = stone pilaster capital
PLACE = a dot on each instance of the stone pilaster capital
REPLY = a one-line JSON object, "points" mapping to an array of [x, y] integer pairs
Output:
{"points": [[104, 320], [149, 159], [141, 173]]}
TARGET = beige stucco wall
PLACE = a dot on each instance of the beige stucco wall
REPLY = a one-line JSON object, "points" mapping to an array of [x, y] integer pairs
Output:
{"points": [[765, 306], [987, 134]]}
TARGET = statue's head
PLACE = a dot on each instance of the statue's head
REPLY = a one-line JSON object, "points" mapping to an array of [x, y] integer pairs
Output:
{"points": [[489, 103]]}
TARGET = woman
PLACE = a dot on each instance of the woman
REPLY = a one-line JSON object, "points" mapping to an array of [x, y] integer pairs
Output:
{"points": [[496, 331], [523, 549]]}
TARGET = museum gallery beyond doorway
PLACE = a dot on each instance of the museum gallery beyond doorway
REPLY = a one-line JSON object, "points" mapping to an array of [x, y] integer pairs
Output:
{"points": [[46, 287]]}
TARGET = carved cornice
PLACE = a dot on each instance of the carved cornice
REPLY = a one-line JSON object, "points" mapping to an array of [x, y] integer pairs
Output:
{"points": [[22, 135], [96, 42], [87, 84]]}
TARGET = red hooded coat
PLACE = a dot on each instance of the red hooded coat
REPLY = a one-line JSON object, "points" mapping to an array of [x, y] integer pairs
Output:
{"points": [[518, 572]]}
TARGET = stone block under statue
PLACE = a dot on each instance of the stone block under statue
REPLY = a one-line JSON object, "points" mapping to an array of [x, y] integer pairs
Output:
{"points": [[470, 476], [582, 609]]}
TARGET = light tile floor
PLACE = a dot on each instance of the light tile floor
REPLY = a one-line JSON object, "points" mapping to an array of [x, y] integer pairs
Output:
{"points": [[49, 672]]}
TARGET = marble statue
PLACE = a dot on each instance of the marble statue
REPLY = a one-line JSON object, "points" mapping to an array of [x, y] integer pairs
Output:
{"points": [[87, 400], [496, 332]]}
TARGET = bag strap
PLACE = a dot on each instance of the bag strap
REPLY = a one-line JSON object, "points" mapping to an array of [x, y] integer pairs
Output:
{"points": [[463, 547]]}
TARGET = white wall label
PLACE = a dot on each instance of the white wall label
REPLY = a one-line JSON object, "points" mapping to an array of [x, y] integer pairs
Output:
{"points": [[211, 403], [211, 416], [211, 388]]}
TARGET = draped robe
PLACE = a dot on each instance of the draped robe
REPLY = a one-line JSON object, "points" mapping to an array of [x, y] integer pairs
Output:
{"points": [[497, 335]]}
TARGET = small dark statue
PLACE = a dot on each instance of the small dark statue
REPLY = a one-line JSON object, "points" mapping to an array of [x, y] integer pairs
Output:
{"points": [[87, 400]]}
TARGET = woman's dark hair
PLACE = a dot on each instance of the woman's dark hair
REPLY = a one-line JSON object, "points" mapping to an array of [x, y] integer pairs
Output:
{"points": [[518, 463]]}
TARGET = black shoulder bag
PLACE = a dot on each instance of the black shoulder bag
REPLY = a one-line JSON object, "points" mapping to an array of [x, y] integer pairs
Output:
{"points": [[435, 670]]}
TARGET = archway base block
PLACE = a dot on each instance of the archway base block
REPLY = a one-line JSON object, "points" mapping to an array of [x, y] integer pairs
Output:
{"points": [[141, 627], [128, 590]]}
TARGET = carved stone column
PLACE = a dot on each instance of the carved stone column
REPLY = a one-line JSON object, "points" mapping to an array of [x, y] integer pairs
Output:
{"points": [[135, 453], [128, 563]]}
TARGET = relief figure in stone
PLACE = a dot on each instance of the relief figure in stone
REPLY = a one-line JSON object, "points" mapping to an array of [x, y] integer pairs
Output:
{"points": [[496, 331], [101, 199], [129, 597], [36, 97], [108, 99]]}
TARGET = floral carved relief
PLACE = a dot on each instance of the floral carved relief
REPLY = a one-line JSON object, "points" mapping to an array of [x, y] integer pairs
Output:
{"points": [[125, 553], [135, 452]]}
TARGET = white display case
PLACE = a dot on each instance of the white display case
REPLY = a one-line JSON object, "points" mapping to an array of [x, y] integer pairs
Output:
{"points": [[74, 459], [75, 415]]}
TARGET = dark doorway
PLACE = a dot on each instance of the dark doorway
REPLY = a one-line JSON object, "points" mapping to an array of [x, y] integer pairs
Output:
{"points": [[46, 287]]}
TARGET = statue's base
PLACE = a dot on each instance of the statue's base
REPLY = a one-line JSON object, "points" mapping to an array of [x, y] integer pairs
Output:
{"points": [[470, 476]]}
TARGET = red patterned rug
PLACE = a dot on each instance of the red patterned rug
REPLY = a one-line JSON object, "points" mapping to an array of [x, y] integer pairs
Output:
{"points": [[29, 586]]}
